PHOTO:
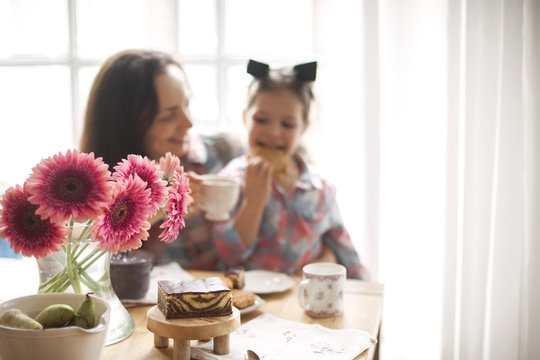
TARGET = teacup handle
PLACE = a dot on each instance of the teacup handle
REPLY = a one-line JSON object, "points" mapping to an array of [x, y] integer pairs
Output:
{"points": [[301, 291]]}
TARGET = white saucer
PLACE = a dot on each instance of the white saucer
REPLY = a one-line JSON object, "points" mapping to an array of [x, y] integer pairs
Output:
{"points": [[257, 304], [266, 282]]}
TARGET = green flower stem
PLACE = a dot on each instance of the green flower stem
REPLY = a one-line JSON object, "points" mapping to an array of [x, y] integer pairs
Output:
{"points": [[72, 276], [80, 251], [50, 285], [63, 287], [84, 277], [74, 270], [61, 281], [90, 256], [81, 237], [101, 253], [85, 231], [53, 279], [90, 283], [77, 282], [54, 286]]}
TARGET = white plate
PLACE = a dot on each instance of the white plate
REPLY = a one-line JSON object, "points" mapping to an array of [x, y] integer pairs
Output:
{"points": [[257, 304], [267, 282]]}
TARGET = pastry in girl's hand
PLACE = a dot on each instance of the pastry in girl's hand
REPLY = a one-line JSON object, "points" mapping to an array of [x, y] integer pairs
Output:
{"points": [[277, 157]]}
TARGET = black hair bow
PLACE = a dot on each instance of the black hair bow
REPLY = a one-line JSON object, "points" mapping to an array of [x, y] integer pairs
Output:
{"points": [[257, 69], [304, 72]]}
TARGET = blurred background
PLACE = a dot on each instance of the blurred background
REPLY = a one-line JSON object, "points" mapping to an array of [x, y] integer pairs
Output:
{"points": [[50, 52], [426, 121]]}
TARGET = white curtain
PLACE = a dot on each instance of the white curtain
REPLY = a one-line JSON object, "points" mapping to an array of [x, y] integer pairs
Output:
{"points": [[491, 269], [412, 135], [442, 124]]}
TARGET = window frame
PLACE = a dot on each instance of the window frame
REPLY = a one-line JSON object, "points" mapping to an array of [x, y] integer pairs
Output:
{"points": [[220, 61]]}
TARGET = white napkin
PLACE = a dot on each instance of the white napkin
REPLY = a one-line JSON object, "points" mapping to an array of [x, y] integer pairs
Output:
{"points": [[171, 271], [273, 338]]}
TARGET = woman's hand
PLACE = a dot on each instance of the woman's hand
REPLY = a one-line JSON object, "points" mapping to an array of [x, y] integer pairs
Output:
{"points": [[158, 217], [195, 182]]}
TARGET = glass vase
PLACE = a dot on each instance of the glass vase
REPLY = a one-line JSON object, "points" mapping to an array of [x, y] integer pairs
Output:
{"points": [[82, 267]]}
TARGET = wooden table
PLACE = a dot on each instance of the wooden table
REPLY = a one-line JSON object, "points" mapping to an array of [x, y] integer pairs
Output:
{"points": [[363, 310]]}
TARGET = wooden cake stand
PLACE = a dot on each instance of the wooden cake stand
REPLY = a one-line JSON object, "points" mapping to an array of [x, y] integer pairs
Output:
{"points": [[184, 330]]}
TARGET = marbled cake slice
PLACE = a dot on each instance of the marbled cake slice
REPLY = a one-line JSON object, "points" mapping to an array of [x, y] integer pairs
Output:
{"points": [[196, 298]]}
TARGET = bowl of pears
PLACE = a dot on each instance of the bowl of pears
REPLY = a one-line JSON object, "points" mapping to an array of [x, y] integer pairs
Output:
{"points": [[53, 326]]}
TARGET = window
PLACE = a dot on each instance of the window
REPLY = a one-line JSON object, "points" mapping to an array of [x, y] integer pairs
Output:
{"points": [[53, 50], [50, 52]]}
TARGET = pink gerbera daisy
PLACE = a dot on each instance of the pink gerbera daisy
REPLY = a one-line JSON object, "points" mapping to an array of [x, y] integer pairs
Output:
{"points": [[169, 164], [149, 172], [124, 225], [26, 231], [75, 184], [179, 200]]}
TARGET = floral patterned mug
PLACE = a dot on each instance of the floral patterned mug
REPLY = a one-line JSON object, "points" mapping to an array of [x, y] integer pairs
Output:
{"points": [[320, 292]]}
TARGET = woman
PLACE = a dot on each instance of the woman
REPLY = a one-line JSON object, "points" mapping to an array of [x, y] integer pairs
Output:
{"points": [[139, 104]]}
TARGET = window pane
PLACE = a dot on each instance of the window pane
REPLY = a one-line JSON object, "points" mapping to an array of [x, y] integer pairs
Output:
{"points": [[197, 27], [269, 28], [162, 25], [86, 77], [36, 121], [106, 27], [236, 92], [204, 105], [33, 27]]}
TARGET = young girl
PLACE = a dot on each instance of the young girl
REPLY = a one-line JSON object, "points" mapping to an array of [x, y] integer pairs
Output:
{"points": [[286, 216]]}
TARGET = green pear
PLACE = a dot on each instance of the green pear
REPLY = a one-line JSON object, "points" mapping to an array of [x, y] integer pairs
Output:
{"points": [[86, 314], [15, 318], [57, 315]]}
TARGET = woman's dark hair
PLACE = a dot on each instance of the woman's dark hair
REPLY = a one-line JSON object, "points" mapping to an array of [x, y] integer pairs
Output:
{"points": [[282, 79], [122, 104]]}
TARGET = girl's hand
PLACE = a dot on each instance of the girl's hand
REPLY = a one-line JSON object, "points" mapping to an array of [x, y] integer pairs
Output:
{"points": [[258, 181], [258, 188], [326, 255]]}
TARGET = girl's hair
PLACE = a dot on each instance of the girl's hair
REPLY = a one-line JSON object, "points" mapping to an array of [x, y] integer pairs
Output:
{"points": [[122, 104], [282, 79]]}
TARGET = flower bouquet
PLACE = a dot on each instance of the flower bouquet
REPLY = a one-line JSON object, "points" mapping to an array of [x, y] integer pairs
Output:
{"points": [[72, 211]]}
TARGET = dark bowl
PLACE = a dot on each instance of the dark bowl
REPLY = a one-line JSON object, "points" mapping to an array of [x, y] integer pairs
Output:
{"points": [[130, 273]]}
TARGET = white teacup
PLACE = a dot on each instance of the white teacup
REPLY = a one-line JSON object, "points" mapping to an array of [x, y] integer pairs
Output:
{"points": [[218, 196], [320, 292]]}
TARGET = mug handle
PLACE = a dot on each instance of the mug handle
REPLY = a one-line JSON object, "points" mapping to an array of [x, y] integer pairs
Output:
{"points": [[301, 299]]}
